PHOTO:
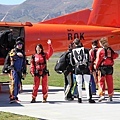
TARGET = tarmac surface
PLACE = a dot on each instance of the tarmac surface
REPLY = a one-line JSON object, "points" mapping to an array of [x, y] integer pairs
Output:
{"points": [[57, 108]]}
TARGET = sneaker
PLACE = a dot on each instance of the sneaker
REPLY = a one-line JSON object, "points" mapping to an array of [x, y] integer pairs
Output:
{"points": [[70, 98], [79, 100], [33, 100], [110, 99], [12, 101], [91, 101], [44, 100], [76, 96], [94, 93], [17, 101], [101, 98]]}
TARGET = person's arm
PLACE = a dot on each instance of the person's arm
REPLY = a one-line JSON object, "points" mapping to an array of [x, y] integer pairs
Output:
{"points": [[24, 66], [72, 62], [99, 58], [32, 65], [50, 50], [115, 55]]}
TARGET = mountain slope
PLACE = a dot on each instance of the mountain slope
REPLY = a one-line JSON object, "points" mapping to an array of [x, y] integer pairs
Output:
{"points": [[36, 10]]}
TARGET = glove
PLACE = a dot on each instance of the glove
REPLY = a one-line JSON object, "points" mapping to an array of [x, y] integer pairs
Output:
{"points": [[49, 42]]}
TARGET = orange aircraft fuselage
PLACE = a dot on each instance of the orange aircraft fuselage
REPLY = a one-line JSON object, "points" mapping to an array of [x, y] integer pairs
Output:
{"points": [[61, 35]]}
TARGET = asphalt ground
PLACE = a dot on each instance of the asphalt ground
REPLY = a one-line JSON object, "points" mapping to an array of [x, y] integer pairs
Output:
{"points": [[57, 108]]}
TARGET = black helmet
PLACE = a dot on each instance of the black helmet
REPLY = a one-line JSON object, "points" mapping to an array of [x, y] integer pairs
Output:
{"points": [[76, 41], [19, 40]]}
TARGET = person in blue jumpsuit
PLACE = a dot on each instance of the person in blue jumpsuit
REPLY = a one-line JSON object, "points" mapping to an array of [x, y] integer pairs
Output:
{"points": [[18, 69]]}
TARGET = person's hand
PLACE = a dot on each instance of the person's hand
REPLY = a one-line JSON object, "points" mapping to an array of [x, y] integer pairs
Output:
{"points": [[94, 67], [20, 54], [24, 75], [49, 42], [32, 74]]}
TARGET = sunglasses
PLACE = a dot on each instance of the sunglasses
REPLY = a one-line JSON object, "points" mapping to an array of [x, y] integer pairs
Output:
{"points": [[20, 44]]}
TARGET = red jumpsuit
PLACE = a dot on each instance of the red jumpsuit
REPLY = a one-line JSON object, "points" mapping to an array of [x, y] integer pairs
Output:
{"points": [[39, 64], [105, 66]]}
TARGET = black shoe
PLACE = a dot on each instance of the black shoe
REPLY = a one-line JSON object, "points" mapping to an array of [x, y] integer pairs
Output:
{"points": [[33, 100], [79, 100], [93, 93], [110, 99], [91, 101], [76, 96], [69, 98], [12, 101]]}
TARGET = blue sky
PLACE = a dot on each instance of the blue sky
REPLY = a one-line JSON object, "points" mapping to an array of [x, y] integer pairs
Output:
{"points": [[11, 2]]}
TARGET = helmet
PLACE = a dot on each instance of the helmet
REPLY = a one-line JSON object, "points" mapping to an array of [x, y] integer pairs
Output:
{"points": [[19, 40]]}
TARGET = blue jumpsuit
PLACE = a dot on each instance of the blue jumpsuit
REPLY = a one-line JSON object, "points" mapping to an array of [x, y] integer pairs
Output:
{"points": [[19, 67]]}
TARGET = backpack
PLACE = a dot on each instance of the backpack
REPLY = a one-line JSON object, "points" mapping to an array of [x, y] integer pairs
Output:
{"points": [[95, 52], [80, 56], [62, 63], [6, 66], [108, 53]]}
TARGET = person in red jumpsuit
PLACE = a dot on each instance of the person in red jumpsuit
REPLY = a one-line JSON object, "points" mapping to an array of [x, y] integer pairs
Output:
{"points": [[104, 64], [38, 69]]}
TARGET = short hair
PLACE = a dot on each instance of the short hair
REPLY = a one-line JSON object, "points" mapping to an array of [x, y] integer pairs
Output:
{"points": [[76, 41], [95, 43], [104, 41]]}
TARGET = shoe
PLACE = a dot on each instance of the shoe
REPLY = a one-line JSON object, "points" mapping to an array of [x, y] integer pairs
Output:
{"points": [[101, 98], [93, 93], [91, 101], [76, 96], [17, 101], [69, 98], [33, 100], [110, 99], [79, 100], [44, 100], [12, 101]]}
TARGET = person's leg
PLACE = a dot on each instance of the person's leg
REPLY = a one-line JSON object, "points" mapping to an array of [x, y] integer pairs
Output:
{"points": [[35, 88], [109, 81], [101, 87], [93, 85], [74, 88], [68, 94], [16, 84], [70, 82], [87, 87], [45, 87], [65, 82], [79, 83]]}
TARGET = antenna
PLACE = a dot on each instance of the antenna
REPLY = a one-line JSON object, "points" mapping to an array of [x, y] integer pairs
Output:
{"points": [[44, 18], [4, 17]]}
